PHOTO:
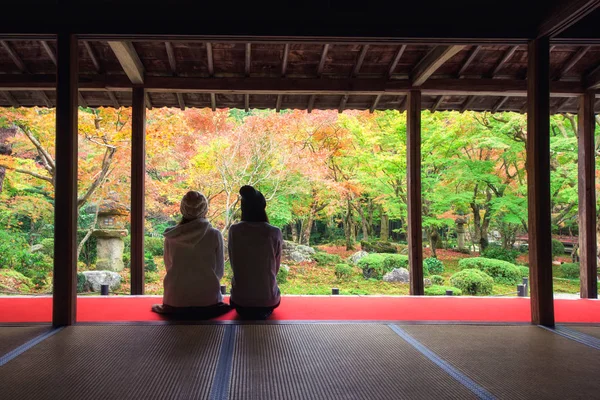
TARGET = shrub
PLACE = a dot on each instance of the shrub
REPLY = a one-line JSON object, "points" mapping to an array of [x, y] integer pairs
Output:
{"points": [[149, 263], [80, 282], [568, 271], [437, 279], [501, 271], [151, 277], [473, 282], [372, 266], [282, 275], [343, 271], [323, 258], [154, 245], [464, 250], [437, 290], [524, 271], [433, 266], [48, 244], [13, 280], [500, 253], [392, 261], [558, 249], [378, 247]]}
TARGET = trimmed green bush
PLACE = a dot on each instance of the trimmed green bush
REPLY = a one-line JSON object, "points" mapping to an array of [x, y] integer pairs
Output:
{"points": [[438, 290], [151, 277], [524, 271], [392, 261], [149, 264], [323, 258], [437, 279], [500, 253], [372, 266], [282, 275], [15, 281], [378, 247], [568, 271], [80, 282], [48, 244], [343, 271], [501, 271], [433, 266], [154, 245], [558, 249], [473, 282]]}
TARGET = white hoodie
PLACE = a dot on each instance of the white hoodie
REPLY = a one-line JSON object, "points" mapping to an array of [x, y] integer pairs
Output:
{"points": [[194, 263]]}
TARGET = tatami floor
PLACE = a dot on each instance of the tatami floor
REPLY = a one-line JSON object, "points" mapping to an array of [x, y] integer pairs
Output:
{"points": [[299, 360]]}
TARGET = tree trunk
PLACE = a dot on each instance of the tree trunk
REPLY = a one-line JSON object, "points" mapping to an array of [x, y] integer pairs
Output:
{"points": [[294, 229], [5, 149], [385, 228], [434, 239], [305, 234], [349, 227]]}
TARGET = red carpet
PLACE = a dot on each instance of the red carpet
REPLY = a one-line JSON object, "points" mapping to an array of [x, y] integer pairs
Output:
{"points": [[472, 309]]}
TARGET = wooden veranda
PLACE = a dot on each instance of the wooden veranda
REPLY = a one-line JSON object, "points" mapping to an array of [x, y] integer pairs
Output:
{"points": [[462, 55]]}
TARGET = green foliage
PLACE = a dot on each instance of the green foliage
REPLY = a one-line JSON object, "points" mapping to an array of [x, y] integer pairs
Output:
{"points": [[558, 249], [437, 279], [378, 247], [372, 266], [392, 261], [524, 271], [440, 290], [13, 280], [501, 271], [80, 282], [343, 271], [149, 263], [433, 265], [154, 245], [323, 258], [500, 253], [567, 271], [473, 282], [48, 244], [151, 276], [282, 275]]}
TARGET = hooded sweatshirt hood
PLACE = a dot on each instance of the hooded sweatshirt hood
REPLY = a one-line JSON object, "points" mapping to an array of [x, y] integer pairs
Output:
{"points": [[190, 233]]}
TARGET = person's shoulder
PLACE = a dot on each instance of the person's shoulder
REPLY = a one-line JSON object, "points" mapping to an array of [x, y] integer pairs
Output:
{"points": [[274, 230]]}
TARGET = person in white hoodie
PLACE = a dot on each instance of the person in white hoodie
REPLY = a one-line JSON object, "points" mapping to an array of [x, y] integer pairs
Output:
{"points": [[194, 262], [255, 255]]}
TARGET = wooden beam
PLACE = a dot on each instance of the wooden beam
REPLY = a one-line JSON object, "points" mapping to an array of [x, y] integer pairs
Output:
{"points": [[278, 103], [565, 15], [45, 98], [248, 58], [538, 182], [148, 101], [572, 61], [81, 100], [180, 101], [138, 189], [92, 55], [592, 80], [431, 62], [587, 198], [247, 102], [499, 104], [14, 56], [467, 104], [560, 105], [375, 102], [129, 60], [49, 51], [343, 102], [171, 57], [323, 59], [469, 60], [360, 60], [507, 55], [64, 298], [11, 100], [402, 100], [413, 167], [395, 61], [284, 59], [311, 103], [213, 101], [209, 59], [437, 103], [113, 98]]}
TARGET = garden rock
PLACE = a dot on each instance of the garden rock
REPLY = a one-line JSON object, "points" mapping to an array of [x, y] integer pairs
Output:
{"points": [[37, 248], [427, 282], [294, 252], [110, 254], [94, 279], [400, 275], [356, 257]]}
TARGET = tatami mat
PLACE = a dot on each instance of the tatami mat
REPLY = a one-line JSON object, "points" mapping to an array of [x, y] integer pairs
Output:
{"points": [[12, 337], [334, 362], [116, 362], [516, 362], [588, 330]]}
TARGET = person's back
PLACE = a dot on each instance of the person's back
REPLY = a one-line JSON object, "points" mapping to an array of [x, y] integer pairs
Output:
{"points": [[255, 254]]}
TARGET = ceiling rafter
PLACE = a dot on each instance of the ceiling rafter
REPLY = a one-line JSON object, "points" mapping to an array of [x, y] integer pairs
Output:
{"points": [[148, 101], [171, 57], [468, 102], [311, 103], [499, 104], [436, 57], [469, 60], [437, 103], [129, 60], [48, 51], [343, 102], [45, 98], [10, 98], [113, 98], [92, 55], [14, 56], [560, 105], [213, 101], [284, 59], [565, 16], [572, 61], [505, 57], [180, 101], [248, 58], [209, 59], [322, 60], [360, 60], [247, 102], [278, 103], [82, 102], [375, 102], [395, 61], [592, 79]]}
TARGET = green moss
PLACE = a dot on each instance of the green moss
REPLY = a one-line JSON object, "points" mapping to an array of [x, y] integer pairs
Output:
{"points": [[437, 290], [502, 272], [473, 282]]}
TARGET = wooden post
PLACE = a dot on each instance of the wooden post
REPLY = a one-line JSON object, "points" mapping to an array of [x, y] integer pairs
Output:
{"points": [[138, 189], [413, 166], [538, 182], [587, 198], [64, 299]]}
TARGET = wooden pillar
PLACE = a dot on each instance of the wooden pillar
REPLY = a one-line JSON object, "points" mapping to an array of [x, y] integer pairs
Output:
{"points": [[587, 198], [538, 181], [138, 189], [413, 167], [64, 300]]}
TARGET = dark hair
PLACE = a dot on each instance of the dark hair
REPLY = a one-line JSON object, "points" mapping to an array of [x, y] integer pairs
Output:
{"points": [[253, 205]]}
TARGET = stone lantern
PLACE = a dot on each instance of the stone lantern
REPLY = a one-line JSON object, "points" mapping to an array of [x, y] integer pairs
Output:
{"points": [[460, 233], [110, 231]]}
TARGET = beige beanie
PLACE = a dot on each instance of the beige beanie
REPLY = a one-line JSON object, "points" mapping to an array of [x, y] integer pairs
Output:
{"points": [[194, 205]]}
